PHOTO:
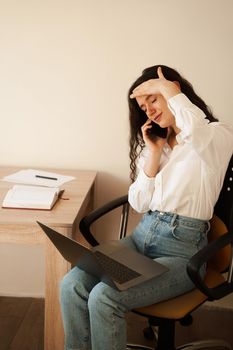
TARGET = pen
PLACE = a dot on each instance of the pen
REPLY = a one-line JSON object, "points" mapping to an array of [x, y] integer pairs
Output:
{"points": [[46, 177]]}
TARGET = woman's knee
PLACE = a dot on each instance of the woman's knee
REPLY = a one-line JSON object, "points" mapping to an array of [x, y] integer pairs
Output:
{"points": [[77, 282], [67, 285], [102, 297]]}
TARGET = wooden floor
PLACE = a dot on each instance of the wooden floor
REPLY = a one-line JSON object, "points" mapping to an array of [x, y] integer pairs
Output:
{"points": [[21, 323]]}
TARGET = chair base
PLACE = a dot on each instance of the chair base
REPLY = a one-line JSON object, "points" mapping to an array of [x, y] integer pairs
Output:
{"points": [[138, 347], [211, 344]]}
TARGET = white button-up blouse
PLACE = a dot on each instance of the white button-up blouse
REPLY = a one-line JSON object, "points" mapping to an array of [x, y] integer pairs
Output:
{"points": [[191, 174]]}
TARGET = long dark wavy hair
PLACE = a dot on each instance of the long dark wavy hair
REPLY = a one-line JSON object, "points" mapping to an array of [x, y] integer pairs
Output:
{"points": [[137, 117]]}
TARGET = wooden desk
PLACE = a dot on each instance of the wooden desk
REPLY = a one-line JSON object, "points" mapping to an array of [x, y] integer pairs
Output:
{"points": [[19, 226]]}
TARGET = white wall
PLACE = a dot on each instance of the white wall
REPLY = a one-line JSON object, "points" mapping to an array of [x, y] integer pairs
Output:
{"points": [[65, 68]]}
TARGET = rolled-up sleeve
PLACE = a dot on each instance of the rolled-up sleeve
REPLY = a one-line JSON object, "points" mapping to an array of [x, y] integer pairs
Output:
{"points": [[190, 119], [206, 138]]}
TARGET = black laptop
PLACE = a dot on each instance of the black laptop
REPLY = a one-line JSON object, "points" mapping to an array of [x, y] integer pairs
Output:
{"points": [[113, 263]]}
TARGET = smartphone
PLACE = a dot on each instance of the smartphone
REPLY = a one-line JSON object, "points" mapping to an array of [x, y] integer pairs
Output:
{"points": [[156, 131]]}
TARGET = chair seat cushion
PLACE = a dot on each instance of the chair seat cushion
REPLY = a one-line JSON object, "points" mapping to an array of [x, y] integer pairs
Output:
{"points": [[182, 305]]}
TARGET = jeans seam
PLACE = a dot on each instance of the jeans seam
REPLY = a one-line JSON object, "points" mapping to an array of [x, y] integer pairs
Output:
{"points": [[150, 232]]}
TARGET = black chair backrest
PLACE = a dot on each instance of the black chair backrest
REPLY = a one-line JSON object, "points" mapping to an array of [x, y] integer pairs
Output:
{"points": [[224, 206]]}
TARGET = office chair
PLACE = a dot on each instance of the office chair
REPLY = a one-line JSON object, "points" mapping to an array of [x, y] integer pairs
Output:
{"points": [[218, 257]]}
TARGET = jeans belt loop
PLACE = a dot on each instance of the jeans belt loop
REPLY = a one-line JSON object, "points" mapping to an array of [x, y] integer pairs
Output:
{"points": [[173, 219], [208, 227]]}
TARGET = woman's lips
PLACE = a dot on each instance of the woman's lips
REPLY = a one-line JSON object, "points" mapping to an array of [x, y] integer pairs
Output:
{"points": [[157, 118]]}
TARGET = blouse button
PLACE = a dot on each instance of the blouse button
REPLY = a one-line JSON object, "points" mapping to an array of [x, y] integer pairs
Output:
{"points": [[228, 188]]}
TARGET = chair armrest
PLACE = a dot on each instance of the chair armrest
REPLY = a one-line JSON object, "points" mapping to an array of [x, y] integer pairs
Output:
{"points": [[93, 216], [202, 257]]}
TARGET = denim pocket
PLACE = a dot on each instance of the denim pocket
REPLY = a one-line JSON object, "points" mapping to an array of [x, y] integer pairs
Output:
{"points": [[187, 234]]}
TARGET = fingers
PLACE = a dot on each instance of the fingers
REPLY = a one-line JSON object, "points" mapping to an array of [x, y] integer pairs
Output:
{"points": [[160, 73], [146, 126], [150, 86], [139, 90]]}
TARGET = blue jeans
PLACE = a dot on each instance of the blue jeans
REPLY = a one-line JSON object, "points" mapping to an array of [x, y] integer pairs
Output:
{"points": [[94, 313]]}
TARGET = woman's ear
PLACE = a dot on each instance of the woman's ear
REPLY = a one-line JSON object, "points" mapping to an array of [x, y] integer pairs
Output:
{"points": [[177, 84]]}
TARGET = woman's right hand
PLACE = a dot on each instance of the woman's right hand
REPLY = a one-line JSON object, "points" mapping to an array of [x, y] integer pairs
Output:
{"points": [[155, 147], [156, 144]]}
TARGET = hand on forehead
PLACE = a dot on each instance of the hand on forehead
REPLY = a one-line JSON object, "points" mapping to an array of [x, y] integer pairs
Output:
{"points": [[149, 87]]}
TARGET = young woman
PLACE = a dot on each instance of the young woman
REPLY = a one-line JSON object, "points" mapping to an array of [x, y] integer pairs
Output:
{"points": [[177, 177]]}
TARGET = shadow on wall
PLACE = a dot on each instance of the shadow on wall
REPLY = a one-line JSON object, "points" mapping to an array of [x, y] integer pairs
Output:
{"points": [[109, 187]]}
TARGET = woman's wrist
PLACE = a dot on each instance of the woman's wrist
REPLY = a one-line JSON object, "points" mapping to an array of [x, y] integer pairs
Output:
{"points": [[170, 89], [152, 165]]}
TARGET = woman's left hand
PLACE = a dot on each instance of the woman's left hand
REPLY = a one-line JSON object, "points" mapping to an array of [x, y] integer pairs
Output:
{"points": [[159, 85]]}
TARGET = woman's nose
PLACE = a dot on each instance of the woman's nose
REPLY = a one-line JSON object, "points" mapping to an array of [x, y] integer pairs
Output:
{"points": [[150, 109]]}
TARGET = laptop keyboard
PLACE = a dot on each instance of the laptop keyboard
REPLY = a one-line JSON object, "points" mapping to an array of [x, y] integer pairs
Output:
{"points": [[119, 272]]}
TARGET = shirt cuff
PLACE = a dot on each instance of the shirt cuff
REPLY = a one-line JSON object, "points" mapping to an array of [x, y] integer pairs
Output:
{"points": [[145, 182], [189, 117], [179, 100]]}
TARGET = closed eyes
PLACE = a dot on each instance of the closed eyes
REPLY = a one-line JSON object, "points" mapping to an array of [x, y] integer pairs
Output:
{"points": [[143, 107]]}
